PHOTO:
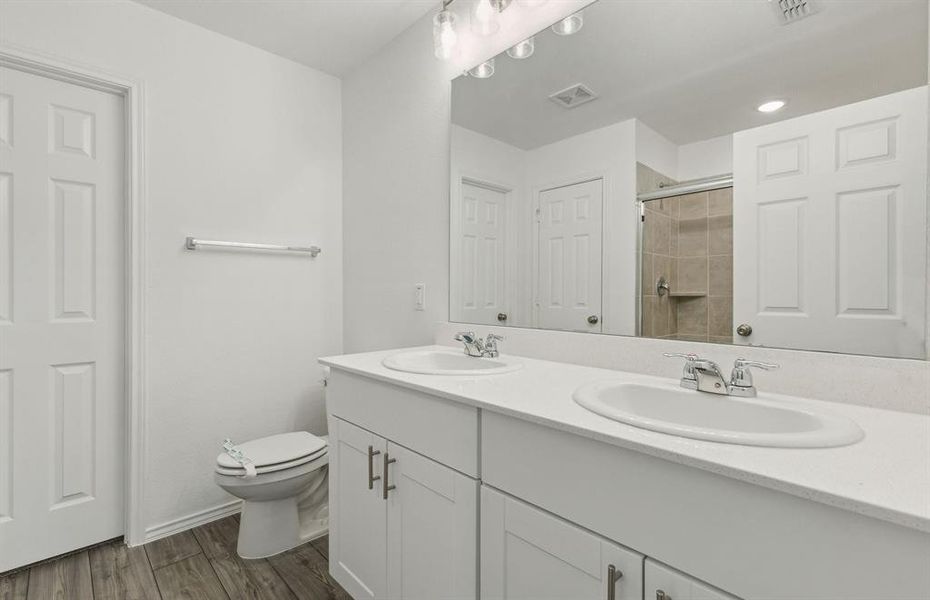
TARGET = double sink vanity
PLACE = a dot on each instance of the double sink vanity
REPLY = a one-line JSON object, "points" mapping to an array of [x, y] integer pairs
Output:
{"points": [[456, 476]]}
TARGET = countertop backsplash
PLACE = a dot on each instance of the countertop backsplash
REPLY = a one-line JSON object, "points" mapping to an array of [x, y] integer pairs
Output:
{"points": [[886, 383]]}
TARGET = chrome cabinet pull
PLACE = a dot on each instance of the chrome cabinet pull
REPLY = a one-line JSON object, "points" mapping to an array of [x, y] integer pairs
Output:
{"points": [[372, 478], [660, 595], [613, 576], [387, 487]]}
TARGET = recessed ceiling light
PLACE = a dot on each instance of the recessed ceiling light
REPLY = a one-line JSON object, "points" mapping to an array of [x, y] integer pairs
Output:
{"points": [[771, 106]]}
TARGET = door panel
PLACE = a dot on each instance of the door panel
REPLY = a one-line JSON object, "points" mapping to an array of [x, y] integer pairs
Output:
{"points": [[432, 529], [61, 317], [481, 294], [358, 531], [569, 257], [829, 229], [527, 554]]}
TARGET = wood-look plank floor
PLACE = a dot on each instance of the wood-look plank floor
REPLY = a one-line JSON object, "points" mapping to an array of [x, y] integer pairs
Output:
{"points": [[200, 564]]}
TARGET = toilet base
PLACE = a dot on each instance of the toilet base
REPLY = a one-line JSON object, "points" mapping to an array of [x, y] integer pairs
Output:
{"points": [[275, 526], [268, 528]]}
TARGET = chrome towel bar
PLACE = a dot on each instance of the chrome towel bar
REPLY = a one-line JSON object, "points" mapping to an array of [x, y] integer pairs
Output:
{"points": [[193, 243]]}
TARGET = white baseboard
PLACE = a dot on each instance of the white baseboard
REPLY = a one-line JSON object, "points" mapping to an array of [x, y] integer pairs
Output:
{"points": [[192, 520]]}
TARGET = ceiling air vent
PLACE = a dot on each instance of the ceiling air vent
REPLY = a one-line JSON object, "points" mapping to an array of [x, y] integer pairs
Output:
{"points": [[573, 96], [789, 11]]}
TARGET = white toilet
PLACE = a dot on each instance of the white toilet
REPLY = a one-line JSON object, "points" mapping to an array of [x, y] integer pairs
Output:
{"points": [[282, 480]]}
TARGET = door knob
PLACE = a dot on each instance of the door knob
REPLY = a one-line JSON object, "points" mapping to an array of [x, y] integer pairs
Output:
{"points": [[593, 319], [501, 317], [744, 329]]}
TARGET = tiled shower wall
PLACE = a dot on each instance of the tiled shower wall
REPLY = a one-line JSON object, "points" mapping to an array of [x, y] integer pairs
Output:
{"points": [[659, 314], [689, 239]]}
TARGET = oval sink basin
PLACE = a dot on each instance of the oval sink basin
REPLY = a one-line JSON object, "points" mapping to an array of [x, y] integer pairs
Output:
{"points": [[449, 362], [718, 418]]}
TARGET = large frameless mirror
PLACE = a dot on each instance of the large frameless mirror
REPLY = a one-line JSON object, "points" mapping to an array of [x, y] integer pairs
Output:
{"points": [[711, 171]]}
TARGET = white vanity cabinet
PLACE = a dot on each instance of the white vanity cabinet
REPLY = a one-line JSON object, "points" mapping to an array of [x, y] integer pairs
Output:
{"points": [[528, 554], [402, 526], [556, 510], [665, 583]]}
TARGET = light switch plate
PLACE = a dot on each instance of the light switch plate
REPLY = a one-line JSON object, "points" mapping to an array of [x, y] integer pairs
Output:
{"points": [[420, 296]]}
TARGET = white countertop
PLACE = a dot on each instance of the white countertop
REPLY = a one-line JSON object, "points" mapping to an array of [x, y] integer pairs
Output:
{"points": [[885, 476]]}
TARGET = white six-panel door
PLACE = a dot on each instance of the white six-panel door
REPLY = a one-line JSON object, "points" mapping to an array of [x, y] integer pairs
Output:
{"points": [[61, 317], [830, 229], [568, 294], [480, 293]]}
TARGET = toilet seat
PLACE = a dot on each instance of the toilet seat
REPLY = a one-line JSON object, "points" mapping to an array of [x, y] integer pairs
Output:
{"points": [[274, 453]]}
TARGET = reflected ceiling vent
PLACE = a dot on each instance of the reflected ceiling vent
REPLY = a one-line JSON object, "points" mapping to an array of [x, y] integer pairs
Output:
{"points": [[789, 11], [573, 96]]}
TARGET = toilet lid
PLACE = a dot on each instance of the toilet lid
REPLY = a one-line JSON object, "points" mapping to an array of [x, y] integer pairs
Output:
{"points": [[319, 458], [275, 449]]}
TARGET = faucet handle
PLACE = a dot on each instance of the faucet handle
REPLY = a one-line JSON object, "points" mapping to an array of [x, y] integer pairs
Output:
{"points": [[686, 355], [687, 372], [463, 336], [741, 377], [742, 363], [493, 337]]}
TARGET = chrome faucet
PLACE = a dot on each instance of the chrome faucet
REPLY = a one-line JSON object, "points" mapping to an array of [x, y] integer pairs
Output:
{"points": [[705, 376], [478, 348]]}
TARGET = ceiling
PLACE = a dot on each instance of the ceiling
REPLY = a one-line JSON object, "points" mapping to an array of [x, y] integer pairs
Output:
{"points": [[697, 70], [333, 36]]}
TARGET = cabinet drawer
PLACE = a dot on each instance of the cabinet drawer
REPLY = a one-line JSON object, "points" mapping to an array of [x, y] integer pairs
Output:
{"points": [[443, 430]]}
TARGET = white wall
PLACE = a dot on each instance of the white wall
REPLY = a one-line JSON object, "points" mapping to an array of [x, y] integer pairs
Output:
{"points": [[240, 145], [706, 158], [655, 151], [396, 110]]}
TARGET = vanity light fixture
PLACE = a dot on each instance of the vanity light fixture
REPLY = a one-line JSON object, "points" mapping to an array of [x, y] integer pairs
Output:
{"points": [[522, 49], [771, 106], [484, 70], [569, 25], [445, 37], [485, 16]]}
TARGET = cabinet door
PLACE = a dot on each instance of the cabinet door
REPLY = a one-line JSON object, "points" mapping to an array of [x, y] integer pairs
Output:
{"points": [[432, 529], [358, 521], [528, 554], [665, 583]]}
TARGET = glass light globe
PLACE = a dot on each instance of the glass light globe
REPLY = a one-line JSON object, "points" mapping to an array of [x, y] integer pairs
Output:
{"points": [[445, 38], [485, 18], [483, 71], [522, 49], [569, 25]]}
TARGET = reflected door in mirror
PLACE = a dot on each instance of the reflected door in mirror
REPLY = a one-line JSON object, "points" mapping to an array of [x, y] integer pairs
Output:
{"points": [[830, 218], [569, 231], [481, 292]]}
